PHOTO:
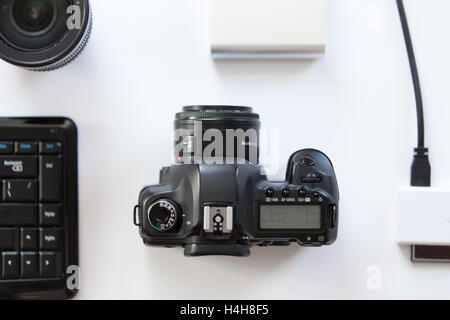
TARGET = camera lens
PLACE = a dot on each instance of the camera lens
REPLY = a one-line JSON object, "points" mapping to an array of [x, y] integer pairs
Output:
{"points": [[42, 35], [226, 133]]}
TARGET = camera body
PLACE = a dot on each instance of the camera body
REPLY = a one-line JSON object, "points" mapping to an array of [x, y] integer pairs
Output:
{"points": [[225, 209]]}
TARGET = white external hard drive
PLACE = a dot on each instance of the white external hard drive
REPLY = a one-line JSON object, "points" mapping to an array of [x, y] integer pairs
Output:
{"points": [[249, 28], [424, 223]]}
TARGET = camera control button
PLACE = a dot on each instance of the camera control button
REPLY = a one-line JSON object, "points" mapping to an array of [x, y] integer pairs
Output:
{"points": [[311, 179], [308, 161], [286, 192], [316, 194], [332, 216], [270, 192], [302, 192], [163, 215]]}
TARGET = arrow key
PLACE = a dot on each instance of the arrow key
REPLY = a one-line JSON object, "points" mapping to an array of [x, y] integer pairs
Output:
{"points": [[29, 238], [10, 265], [29, 264], [50, 264]]}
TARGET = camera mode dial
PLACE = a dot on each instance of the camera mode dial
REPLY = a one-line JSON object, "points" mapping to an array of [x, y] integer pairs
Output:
{"points": [[163, 215]]}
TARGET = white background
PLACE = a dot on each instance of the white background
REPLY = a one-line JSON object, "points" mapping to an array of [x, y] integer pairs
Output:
{"points": [[146, 59]]}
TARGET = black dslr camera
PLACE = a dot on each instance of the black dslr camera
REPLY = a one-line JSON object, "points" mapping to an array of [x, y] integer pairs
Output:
{"points": [[221, 203]]}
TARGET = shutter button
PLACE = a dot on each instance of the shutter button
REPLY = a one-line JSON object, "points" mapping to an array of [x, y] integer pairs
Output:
{"points": [[308, 161]]}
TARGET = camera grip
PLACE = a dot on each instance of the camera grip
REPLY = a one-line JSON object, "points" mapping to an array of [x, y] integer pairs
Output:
{"points": [[312, 167]]}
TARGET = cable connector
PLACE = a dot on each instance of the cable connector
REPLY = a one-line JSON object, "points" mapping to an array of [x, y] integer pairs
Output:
{"points": [[421, 168]]}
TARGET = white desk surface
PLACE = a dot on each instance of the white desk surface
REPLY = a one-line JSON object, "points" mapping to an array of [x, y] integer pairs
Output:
{"points": [[146, 60]]}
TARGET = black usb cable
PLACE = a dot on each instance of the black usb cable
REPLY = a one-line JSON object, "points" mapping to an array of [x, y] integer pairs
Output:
{"points": [[420, 169]]}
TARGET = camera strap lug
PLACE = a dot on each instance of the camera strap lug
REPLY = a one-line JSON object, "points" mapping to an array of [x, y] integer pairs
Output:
{"points": [[135, 216]]}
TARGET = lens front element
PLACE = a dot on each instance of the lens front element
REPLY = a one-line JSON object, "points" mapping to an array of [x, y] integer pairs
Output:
{"points": [[33, 15]]}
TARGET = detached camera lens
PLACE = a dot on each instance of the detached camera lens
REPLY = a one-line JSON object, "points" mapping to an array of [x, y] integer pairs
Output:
{"points": [[42, 35]]}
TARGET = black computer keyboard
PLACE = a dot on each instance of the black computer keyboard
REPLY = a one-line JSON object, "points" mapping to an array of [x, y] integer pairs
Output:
{"points": [[38, 207]]}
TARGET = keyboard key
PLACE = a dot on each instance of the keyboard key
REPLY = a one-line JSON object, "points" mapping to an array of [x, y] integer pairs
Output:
{"points": [[9, 239], [29, 267], [50, 178], [26, 147], [10, 265], [50, 147], [29, 239], [50, 214], [18, 215], [18, 166], [6, 147], [49, 264], [20, 190], [50, 238]]}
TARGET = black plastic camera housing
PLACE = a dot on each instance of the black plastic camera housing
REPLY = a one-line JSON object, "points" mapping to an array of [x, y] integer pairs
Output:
{"points": [[225, 209]]}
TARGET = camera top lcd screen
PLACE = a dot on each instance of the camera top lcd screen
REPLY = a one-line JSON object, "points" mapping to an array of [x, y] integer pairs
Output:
{"points": [[289, 217]]}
